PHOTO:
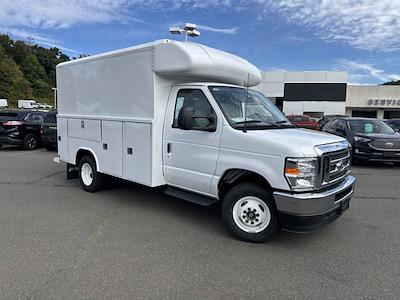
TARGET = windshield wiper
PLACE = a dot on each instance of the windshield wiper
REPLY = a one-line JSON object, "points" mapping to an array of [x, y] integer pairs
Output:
{"points": [[257, 121], [249, 121]]}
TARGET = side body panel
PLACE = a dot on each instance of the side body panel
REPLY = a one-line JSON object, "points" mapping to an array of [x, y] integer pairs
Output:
{"points": [[137, 152]]}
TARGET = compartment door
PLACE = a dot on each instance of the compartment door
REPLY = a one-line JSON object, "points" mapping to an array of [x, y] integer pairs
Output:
{"points": [[111, 149], [62, 138], [137, 152]]}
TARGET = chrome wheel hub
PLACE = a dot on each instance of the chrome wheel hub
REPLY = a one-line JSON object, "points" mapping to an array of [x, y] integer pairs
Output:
{"points": [[251, 214], [87, 174]]}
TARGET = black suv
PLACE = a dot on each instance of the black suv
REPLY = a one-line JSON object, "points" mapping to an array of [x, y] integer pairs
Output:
{"points": [[371, 139], [21, 128]]}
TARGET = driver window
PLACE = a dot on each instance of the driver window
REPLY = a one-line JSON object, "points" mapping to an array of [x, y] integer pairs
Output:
{"points": [[193, 98]]}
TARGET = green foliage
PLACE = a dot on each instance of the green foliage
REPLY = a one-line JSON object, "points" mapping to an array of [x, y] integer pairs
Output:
{"points": [[27, 71], [13, 85], [392, 83]]}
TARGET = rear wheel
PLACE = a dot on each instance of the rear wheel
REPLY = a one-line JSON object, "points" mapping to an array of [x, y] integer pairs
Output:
{"points": [[91, 180], [30, 142], [249, 212]]}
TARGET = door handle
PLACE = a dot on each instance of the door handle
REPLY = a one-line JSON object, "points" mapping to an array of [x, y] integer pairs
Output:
{"points": [[168, 148]]}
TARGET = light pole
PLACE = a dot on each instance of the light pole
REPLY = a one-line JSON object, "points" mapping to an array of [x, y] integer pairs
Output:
{"points": [[188, 30], [55, 97]]}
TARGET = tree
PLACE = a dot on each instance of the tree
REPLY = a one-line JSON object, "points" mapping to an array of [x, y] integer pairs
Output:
{"points": [[27, 70], [392, 83], [19, 52], [13, 85]]}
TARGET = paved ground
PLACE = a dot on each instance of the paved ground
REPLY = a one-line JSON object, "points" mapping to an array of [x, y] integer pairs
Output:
{"points": [[127, 242]]}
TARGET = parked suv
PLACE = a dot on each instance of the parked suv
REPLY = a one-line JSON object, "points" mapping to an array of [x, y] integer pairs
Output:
{"points": [[371, 139], [21, 127], [49, 131]]}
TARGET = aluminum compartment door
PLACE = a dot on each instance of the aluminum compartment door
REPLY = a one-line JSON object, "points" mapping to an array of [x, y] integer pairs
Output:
{"points": [[111, 152], [137, 152], [62, 138]]}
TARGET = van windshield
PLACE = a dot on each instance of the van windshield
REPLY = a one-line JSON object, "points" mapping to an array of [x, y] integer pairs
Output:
{"points": [[260, 112]]}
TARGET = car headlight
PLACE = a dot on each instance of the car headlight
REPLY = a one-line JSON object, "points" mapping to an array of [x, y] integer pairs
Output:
{"points": [[361, 139], [301, 173]]}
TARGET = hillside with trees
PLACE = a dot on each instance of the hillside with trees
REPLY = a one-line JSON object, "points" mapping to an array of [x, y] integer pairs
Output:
{"points": [[392, 83], [27, 71]]}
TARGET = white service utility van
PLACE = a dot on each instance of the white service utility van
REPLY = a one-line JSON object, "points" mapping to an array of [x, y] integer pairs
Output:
{"points": [[27, 104], [178, 115], [3, 103]]}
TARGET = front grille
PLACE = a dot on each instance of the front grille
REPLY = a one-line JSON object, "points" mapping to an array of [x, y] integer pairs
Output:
{"points": [[335, 166], [385, 145]]}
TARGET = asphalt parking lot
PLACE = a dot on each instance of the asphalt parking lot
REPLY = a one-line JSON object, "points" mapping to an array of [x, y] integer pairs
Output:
{"points": [[128, 242]]}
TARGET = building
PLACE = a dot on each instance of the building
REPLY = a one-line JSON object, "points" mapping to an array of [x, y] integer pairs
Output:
{"points": [[373, 101], [312, 93], [327, 93]]}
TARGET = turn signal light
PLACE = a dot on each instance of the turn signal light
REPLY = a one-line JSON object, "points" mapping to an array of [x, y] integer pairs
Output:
{"points": [[292, 171]]}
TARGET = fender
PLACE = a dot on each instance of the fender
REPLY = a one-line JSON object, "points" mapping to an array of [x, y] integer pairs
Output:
{"points": [[92, 152]]}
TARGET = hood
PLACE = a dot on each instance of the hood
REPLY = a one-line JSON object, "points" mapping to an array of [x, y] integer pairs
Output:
{"points": [[287, 142], [380, 136]]}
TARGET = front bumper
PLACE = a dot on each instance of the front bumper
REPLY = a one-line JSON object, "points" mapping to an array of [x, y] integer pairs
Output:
{"points": [[309, 211], [6, 140], [376, 155]]}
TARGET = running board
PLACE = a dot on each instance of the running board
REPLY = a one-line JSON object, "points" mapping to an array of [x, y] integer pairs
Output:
{"points": [[190, 196]]}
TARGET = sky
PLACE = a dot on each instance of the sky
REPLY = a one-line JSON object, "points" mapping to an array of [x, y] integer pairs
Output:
{"points": [[361, 37]]}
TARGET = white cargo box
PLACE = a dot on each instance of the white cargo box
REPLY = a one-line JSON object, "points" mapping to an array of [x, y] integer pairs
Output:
{"points": [[114, 103]]}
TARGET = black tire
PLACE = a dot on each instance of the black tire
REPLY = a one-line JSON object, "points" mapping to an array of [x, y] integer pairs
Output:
{"points": [[30, 142], [396, 164], [236, 194], [97, 179]]}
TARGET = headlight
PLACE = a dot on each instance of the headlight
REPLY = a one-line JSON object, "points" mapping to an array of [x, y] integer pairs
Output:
{"points": [[361, 139], [301, 173]]}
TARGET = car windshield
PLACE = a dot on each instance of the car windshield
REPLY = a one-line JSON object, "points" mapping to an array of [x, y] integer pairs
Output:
{"points": [[260, 113], [370, 126]]}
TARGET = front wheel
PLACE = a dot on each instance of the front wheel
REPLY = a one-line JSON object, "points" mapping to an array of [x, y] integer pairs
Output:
{"points": [[91, 180], [249, 212], [30, 142]]}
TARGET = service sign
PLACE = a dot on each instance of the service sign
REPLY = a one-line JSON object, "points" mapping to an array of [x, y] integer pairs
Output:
{"points": [[384, 102]]}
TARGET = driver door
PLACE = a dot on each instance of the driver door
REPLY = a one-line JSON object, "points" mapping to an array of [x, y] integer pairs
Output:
{"points": [[190, 156]]}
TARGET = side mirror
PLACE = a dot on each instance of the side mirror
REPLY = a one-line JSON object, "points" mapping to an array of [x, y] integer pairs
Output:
{"points": [[186, 120]]}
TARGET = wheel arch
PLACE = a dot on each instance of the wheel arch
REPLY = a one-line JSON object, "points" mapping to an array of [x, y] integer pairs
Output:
{"points": [[83, 151], [232, 177]]}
